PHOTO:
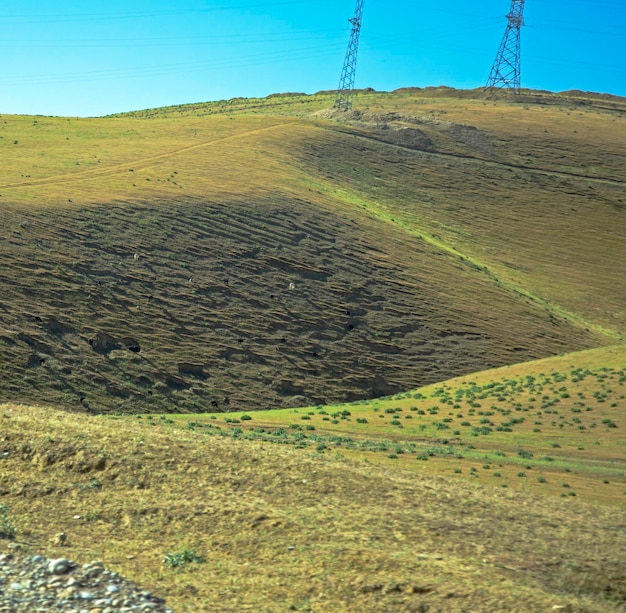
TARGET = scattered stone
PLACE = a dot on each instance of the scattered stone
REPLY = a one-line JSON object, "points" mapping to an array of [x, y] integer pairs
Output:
{"points": [[59, 540], [36, 583], [103, 343], [131, 344], [58, 566]]}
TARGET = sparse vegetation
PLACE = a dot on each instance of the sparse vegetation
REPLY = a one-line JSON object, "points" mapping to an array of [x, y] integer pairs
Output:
{"points": [[7, 529], [174, 559]]}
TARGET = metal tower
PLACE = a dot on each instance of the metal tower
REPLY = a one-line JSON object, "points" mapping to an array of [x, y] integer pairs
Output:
{"points": [[346, 83], [505, 72]]}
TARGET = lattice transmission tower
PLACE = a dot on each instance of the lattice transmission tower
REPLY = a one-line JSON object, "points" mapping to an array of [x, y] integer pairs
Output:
{"points": [[346, 82], [506, 71]]}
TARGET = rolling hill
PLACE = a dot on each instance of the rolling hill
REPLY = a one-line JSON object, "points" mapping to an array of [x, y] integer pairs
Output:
{"points": [[427, 295], [258, 253], [349, 510]]}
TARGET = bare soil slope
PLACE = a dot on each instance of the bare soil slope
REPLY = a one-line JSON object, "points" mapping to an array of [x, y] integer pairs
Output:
{"points": [[261, 253]]}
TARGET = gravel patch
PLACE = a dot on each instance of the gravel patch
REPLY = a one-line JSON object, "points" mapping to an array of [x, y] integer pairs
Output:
{"points": [[36, 584]]}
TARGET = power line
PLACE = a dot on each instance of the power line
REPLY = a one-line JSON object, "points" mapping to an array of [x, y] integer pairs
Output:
{"points": [[91, 17]]}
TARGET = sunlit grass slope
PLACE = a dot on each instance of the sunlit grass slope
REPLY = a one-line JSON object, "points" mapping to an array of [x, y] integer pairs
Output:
{"points": [[552, 426], [258, 253], [280, 528]]}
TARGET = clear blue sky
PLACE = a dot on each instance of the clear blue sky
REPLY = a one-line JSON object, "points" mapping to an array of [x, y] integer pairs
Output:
{"points": [[84, 58]]}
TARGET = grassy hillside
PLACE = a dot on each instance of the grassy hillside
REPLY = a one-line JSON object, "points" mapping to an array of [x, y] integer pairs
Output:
{"points": [[553, 427], [274, 527], [261, 253]]}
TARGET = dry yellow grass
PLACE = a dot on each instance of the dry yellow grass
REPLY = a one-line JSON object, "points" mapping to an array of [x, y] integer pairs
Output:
{"points": [[282, 528]]}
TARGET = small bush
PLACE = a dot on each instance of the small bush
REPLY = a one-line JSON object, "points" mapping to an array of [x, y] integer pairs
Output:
{"points": [[179, 558], [7, 530]]}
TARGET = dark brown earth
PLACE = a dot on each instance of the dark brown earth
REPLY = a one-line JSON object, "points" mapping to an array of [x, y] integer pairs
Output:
{"points": [[209, 307]]}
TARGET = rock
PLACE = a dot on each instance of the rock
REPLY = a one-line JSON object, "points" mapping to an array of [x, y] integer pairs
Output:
{"points": [[103, 343], [131, 344], [59, 540], [286, 388], [35, 583], [35, 360], [59, 566]]}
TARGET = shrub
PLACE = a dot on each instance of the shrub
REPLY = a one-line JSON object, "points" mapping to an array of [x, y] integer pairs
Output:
{"points": [[245, 418], [7, 531], [174, 559]]}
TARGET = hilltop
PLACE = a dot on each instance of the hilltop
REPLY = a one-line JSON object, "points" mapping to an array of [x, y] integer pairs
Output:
{"points": [[258, 253]]}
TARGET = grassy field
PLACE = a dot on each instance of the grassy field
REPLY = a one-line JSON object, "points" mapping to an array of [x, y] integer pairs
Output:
{"points": [[173, 278], [263, 253], [345, 508], [554, 427]]}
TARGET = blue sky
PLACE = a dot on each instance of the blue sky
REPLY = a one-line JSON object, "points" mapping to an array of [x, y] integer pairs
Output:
{"points": [[94, 58]]}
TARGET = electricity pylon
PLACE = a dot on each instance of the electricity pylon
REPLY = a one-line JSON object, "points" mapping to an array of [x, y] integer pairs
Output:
{"points": [[506, 72], [346, 82]]}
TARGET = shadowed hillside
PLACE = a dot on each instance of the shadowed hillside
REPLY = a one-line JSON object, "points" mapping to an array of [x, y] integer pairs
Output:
{"points": [[271, 253]]}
